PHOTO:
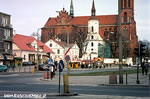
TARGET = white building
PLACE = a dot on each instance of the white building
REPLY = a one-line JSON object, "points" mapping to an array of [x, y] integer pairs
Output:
{"points": [[59, 48], [25, 48], [93, 40]]}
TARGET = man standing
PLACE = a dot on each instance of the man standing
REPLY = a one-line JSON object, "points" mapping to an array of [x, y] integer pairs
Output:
{"points": [[146, 66]]}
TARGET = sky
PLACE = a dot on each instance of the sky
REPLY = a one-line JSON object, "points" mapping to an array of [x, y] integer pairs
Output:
{"points": [[27, 16]]}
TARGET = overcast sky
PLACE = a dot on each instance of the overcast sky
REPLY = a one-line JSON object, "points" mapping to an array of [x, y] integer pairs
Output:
{"points": [[29, 15]]}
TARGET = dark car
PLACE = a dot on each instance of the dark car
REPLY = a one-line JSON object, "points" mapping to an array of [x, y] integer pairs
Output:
{"points": [[25, 64], [3, 68], [43, 67]]}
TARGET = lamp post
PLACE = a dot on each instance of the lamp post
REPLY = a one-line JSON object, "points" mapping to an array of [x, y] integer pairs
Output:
{"points": [[37, 66]]}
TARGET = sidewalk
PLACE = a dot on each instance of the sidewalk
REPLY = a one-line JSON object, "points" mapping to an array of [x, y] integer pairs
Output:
{"points": [[100, 80]]}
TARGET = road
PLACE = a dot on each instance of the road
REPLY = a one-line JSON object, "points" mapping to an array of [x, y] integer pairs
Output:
{"points": [[27, 83]]}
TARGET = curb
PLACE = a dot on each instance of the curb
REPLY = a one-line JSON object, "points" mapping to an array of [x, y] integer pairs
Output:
{"points": [[63, 94], [122, 85]]}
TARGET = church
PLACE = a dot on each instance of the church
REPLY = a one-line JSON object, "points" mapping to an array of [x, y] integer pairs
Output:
{"points": [[81, 29]]}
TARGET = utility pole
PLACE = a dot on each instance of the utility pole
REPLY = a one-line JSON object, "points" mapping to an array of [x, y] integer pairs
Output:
{"points": [[120, 44]]}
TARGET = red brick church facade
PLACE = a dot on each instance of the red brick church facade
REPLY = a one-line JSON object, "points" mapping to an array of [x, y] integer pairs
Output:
{"points": [[77, 27]]}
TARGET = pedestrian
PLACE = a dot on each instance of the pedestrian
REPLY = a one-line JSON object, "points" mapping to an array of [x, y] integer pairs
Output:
{"points": [[55, 63], [52, 70], [146, 66], [143, 68]]}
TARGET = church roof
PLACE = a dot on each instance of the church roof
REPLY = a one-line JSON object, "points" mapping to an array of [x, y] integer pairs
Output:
{"points": [[83, 20]]}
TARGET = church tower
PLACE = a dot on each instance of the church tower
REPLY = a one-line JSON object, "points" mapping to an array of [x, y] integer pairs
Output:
{"points": [[127, 11], [128, 28], [71, 9], [93, 40]]}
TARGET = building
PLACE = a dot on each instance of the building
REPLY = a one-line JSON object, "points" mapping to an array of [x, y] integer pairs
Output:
{"points": [[6, 30], [60, 48], [26, 48], [77, 28], [93, 40]]}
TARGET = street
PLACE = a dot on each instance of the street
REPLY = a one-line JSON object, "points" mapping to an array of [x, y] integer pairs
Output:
{"points": [[28, 83]]}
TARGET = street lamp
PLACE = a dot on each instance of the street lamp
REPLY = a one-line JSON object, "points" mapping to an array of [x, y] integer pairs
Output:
{"points": [[37, 66]]}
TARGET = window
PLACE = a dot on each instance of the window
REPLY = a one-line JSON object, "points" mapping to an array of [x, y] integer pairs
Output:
{"points": [[92, 29], [92, 49], [24, 57], [121, 3], [58, 51], [125, 3], [125, 17], [129, 3], [92, 44], [50, 45], [92, 37], [4, 21]]}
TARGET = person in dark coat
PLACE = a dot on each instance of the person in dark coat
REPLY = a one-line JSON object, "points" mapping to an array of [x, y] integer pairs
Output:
{"points": [[146, 66]]}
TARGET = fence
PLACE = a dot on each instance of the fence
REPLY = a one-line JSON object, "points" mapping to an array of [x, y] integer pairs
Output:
{"points": [[143, 79], [20, 69]]}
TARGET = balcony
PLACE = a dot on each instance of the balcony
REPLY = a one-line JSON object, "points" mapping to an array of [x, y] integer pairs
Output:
{"points": [[7, 38], [6, 25]]}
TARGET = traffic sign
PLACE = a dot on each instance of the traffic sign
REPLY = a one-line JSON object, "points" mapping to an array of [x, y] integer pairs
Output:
{"points": [[67, 58], [67, 51], [61, 65]]}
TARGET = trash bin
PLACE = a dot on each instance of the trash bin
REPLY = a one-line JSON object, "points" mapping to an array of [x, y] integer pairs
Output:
{"points": [[46, 75], [112, 79]]}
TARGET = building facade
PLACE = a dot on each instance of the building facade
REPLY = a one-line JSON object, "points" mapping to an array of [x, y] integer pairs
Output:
{"points": [[6, 40], [60, 48], [26, 48], [77, 28]]}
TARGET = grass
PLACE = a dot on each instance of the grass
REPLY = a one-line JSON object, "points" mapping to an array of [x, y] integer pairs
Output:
{"points": [[132, 71]]}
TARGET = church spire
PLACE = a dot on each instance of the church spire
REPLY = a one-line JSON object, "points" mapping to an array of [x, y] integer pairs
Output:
{"points": [[71, 9], [93, 10]]}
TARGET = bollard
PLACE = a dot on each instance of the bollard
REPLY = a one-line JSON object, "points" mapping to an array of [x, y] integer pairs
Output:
{"points": [[66, 83], [126, 78], [19, 69], [33, 70]]}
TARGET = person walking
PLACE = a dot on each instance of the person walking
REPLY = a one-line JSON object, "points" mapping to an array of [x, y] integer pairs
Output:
{"points": [[146, 66]]}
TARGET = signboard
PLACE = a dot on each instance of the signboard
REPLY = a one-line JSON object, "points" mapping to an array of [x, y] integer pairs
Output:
{"points": [[67, 58], [67, 51], [61, 65]]}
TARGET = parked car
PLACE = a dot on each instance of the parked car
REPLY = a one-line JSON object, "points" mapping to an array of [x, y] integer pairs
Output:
{"points": [[3, 68], [43, 67], [25, 64]]}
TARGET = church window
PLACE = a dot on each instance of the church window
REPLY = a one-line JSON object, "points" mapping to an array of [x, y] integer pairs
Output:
{"points": [[125, 17], [92, 29], [121, 3], [92, 44], [92, 49], [92, 37], [125, 3], [129, 3]]}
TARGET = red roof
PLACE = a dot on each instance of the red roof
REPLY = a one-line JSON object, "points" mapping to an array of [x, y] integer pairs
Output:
{"points": [[83, 20], [24, 43]]}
